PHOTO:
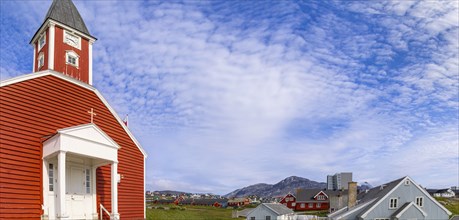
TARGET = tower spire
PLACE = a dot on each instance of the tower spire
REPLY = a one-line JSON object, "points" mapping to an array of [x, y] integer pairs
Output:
{"points": [[63, 42]]}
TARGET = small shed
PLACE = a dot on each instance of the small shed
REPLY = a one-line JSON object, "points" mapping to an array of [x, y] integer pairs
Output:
{"points": [[271, 211]]}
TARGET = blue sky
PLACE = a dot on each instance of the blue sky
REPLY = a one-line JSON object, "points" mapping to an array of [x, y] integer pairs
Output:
{"points": [[225, 94]]}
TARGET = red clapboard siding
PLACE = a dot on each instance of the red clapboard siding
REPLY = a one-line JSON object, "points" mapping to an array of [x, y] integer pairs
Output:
{"points": [[32, 110]]}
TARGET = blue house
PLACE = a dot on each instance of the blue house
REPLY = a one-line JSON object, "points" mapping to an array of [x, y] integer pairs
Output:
{"points": [[396, 200]]}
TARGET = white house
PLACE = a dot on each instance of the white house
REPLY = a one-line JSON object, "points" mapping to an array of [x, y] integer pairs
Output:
{"points": [[445, 193], [271, 211]]}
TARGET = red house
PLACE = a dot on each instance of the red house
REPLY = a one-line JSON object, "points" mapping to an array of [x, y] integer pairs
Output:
{"points": [[289, 200], [64, 152], [237, 202]]}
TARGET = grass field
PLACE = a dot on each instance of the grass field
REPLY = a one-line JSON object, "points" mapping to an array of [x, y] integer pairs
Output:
{"points": [[188, 212], [451, 204]]}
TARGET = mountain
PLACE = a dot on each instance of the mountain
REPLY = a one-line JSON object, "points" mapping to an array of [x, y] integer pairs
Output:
{"points": [[364, 186], [170, 192], [289, 184]]}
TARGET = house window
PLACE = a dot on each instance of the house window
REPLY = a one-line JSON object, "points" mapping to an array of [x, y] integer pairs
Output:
{"points": [[88, 181], [420, 201], [318, 205], [381, 219], [41, 41], [407, 182], [268, 217], [321, 197], [393, 203], [252, 218], [302, 205], [310, 205], [71, 58], [41, 60], [51, 177], [293, 204]]}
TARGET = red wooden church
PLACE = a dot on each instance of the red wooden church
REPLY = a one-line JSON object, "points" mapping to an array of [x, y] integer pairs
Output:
{"points": [[64, 152]]}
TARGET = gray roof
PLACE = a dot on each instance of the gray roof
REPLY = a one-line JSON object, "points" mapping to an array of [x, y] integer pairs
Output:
{"points": [[278, 208], [65, 12], [401, 209], [379, 191], [371, 197]]}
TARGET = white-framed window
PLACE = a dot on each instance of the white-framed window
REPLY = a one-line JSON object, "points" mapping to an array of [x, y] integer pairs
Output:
{"points": [[41, 60], [268, 217], [393, 203], [302, 205], [88, 181], [41, 41], [407, 182], [318, 205], [71, 58], [293, 204], [72, 39], [320, 197], [51, 177], [420, 201], [311, 205]]}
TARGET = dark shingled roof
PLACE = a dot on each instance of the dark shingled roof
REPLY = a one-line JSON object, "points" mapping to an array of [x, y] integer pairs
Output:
{"points": [[65, 12]]}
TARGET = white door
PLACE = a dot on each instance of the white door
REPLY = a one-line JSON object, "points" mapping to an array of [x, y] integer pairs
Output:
{"points": [[79, 196]]}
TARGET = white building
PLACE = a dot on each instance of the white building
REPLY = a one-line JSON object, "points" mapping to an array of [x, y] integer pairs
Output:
{"points": [[271, 211], [339, 181]]}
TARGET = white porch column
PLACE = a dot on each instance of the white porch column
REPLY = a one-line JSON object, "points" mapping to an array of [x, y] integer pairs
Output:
{"points": [[114, 180], [94, 191], [61, 185]]}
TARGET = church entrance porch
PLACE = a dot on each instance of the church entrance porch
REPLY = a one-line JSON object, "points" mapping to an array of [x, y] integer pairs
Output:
{"points": [[80, 187], [70, 160]]}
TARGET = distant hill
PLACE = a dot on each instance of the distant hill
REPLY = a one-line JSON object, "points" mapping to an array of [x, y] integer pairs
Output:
{"points": [[170, 192], [289, 184]]}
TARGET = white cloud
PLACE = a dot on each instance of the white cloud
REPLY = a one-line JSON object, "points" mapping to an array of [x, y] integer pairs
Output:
{"points": [[222, 97]]}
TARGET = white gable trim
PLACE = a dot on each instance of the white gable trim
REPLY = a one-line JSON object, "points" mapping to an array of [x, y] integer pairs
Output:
{"points": [[407, 207], [79, 83], [346, 213], [319, 193], [430, 197], [398, 185], [383, 198], [87, 140], [71, 132], [287, 195]]}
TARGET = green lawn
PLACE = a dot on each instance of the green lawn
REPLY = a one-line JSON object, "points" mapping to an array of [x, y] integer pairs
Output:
{"points": [[188, 212], [451, 204]]}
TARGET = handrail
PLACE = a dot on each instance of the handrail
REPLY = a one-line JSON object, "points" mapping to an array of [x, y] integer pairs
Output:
{"points": [[102, 208]]}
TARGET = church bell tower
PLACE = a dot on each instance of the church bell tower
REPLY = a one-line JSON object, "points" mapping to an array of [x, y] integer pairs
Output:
{"points": [[63, 43]]}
